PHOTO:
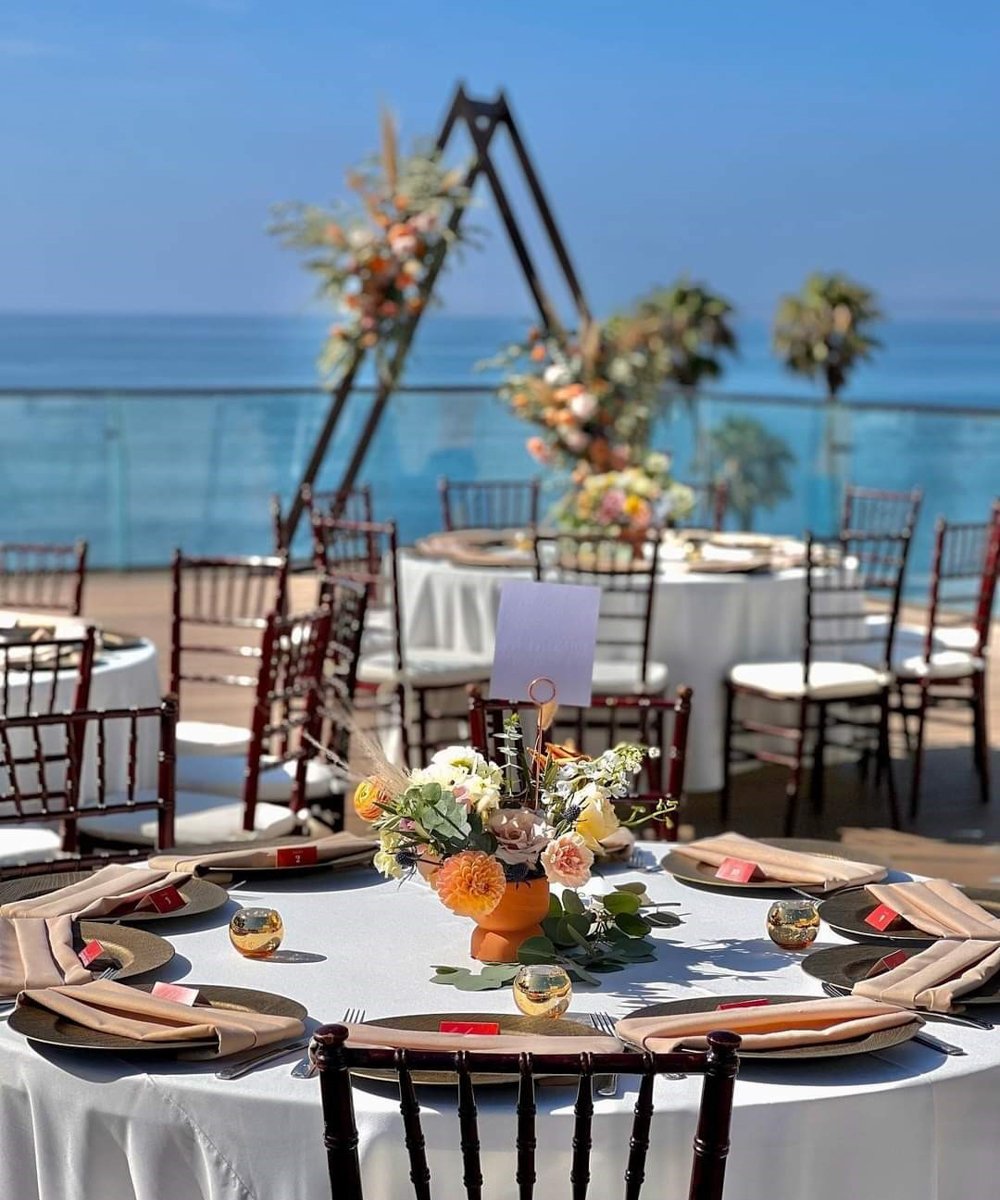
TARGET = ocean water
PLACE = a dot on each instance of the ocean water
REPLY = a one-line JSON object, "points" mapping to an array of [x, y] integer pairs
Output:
{"points": [[139, 475]]}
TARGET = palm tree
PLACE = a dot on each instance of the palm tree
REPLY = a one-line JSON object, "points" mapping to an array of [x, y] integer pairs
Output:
{"points": [[694, 327], [754, 464]]}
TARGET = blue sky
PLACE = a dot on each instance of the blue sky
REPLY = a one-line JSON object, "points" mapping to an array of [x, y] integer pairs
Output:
{"points": [[143, 141]]}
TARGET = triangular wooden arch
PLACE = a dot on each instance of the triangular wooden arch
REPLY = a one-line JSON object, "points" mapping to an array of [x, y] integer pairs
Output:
{"points": [[482, 118]]}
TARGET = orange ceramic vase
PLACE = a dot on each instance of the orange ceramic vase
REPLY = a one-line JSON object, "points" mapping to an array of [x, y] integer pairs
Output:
{"points": [[497, 937]]}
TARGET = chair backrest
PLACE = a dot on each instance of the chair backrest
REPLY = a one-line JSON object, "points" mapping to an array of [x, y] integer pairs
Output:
{"points": [[367, 553], [336, 1058], [46, 675], [964, 579], [353, 505], [609, 720], [57, 766], [489, 503], [874, 510], [626, 578], [43, 578], [220, 608], [348, 603], [711, 504]]}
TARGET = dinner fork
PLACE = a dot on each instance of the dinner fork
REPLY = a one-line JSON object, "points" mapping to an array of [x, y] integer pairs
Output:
{"points": [[305, 1068], [603, 1023]]}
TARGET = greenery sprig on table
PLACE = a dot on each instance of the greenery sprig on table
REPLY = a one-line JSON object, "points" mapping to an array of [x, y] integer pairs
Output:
{"points": [[587, 935]]}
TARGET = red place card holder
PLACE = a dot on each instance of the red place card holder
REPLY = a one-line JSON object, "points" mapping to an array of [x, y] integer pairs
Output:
{"points": [[166, 899], [91, 952], [742, 1004], [483, 1028], [295, 856], [882, 917], [739, 870], [174, 991], [888, 963]]}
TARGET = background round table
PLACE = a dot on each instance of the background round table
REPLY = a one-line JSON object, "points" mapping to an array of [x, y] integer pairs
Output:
{"points": [[702, 625], [907, 1122]]}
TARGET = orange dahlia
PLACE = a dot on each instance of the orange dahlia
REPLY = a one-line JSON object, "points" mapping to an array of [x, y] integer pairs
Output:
{"points": [[369, 799], [471, 883]]}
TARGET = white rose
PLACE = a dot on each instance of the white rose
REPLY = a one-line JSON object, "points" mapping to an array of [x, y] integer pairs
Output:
{"points": [[583, 406], [556, 375]]}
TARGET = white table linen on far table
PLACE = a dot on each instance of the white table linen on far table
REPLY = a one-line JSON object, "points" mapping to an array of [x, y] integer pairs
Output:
{"points": [[702, 626], [908, 1122]]}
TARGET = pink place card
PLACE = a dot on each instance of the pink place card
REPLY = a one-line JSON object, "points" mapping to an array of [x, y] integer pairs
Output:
{"points": [[882, 917], [739, 870], [550, 630], [888, 963], [743, 1004], [166, 899], [91, 952], [482, 1028], [294, 856], [174, 991]]}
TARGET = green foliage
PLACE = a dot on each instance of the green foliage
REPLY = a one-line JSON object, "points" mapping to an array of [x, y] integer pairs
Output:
{"points": [[588, 936], [754, 463], [694, 327], [824, 330]]}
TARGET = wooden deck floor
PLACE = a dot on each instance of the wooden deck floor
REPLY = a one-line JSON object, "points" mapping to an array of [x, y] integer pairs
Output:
{"points": [[139, 603]]}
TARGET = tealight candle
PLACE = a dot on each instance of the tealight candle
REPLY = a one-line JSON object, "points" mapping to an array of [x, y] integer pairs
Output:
{"points": [[256, 932], [542, 990]]}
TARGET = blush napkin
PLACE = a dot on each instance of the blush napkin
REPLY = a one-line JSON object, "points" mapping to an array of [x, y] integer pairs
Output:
{"points": [[38, 954], [113, 1008], [783, 866], [514, 1043], [337, 845], [939, 908], [768, 1027], [112, 891], [937, 976]]}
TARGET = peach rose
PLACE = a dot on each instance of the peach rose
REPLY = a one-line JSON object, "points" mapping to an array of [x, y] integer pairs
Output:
{"points": [[567, 860], [521, 835]]}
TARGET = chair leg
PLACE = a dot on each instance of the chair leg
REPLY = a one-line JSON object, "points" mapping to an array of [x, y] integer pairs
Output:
{"points": [[817, 781], [918, 751], [884, 757], [727, 746], [794, 784], [982, 743]]}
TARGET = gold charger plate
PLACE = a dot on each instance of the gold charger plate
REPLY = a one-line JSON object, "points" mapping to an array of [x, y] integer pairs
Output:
{"points": [[508, 1022], [882, 1039], [42, 1025], [201, 896], [133, 951], [846, 965], [703, 874], [846, 914]]}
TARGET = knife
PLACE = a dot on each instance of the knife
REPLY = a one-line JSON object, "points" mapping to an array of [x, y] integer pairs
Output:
{"points": [[258, 1058]]}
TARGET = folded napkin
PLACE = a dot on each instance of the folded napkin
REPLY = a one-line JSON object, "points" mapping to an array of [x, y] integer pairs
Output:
{"points": [[515, 1043], [38, 954], [337, 845], [937, 976], [113, 1008], [939, 908], [111, 891], [767, 1027], [783, 866]]}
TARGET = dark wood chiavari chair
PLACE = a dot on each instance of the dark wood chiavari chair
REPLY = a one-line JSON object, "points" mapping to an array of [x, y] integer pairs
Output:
{"points": [[950, 668], [38, 577], [843, 675], [711, 505], [220, 608], [874, 510], [336, 1058], [607, 722], [367, 552], [46, 676], [354, 505], [622, 665], [60, 768], [489, 503]]}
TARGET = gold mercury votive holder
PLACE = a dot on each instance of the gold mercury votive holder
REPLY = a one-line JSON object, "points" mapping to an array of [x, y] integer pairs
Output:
{"points": [[793, 924], [542, 990], [256, 932]]}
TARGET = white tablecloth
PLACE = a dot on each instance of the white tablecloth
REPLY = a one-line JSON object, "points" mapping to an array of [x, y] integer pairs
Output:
{"points": [[702, 625], [907, 1123]]}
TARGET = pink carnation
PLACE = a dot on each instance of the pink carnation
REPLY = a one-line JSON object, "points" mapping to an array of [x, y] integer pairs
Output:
{"points": [[567, 860], [612, 504]]}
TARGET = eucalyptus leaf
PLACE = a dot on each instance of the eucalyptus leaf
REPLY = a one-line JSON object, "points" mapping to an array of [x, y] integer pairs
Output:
{"points": [[639, 889], [632, 925], [663, 920], [537, 950], [555, 906], [621, 902], [572, 903]]}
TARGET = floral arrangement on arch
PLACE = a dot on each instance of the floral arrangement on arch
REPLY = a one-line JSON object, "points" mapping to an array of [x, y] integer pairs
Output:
{"points": [[475, 828], [372, 259], [629, 500]]}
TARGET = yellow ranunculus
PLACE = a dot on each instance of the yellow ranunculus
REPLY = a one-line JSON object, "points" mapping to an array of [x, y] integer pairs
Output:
{"points": [[632, 505], [386, 863], [598, 819]]}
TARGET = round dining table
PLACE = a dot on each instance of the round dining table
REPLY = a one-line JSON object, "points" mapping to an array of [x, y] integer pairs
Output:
{"points": [[904, 1122], [702, 625]]}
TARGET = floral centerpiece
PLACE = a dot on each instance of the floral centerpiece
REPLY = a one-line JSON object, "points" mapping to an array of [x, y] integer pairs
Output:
{"points": [[372, 259], [491, 838], [629, 500]]}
